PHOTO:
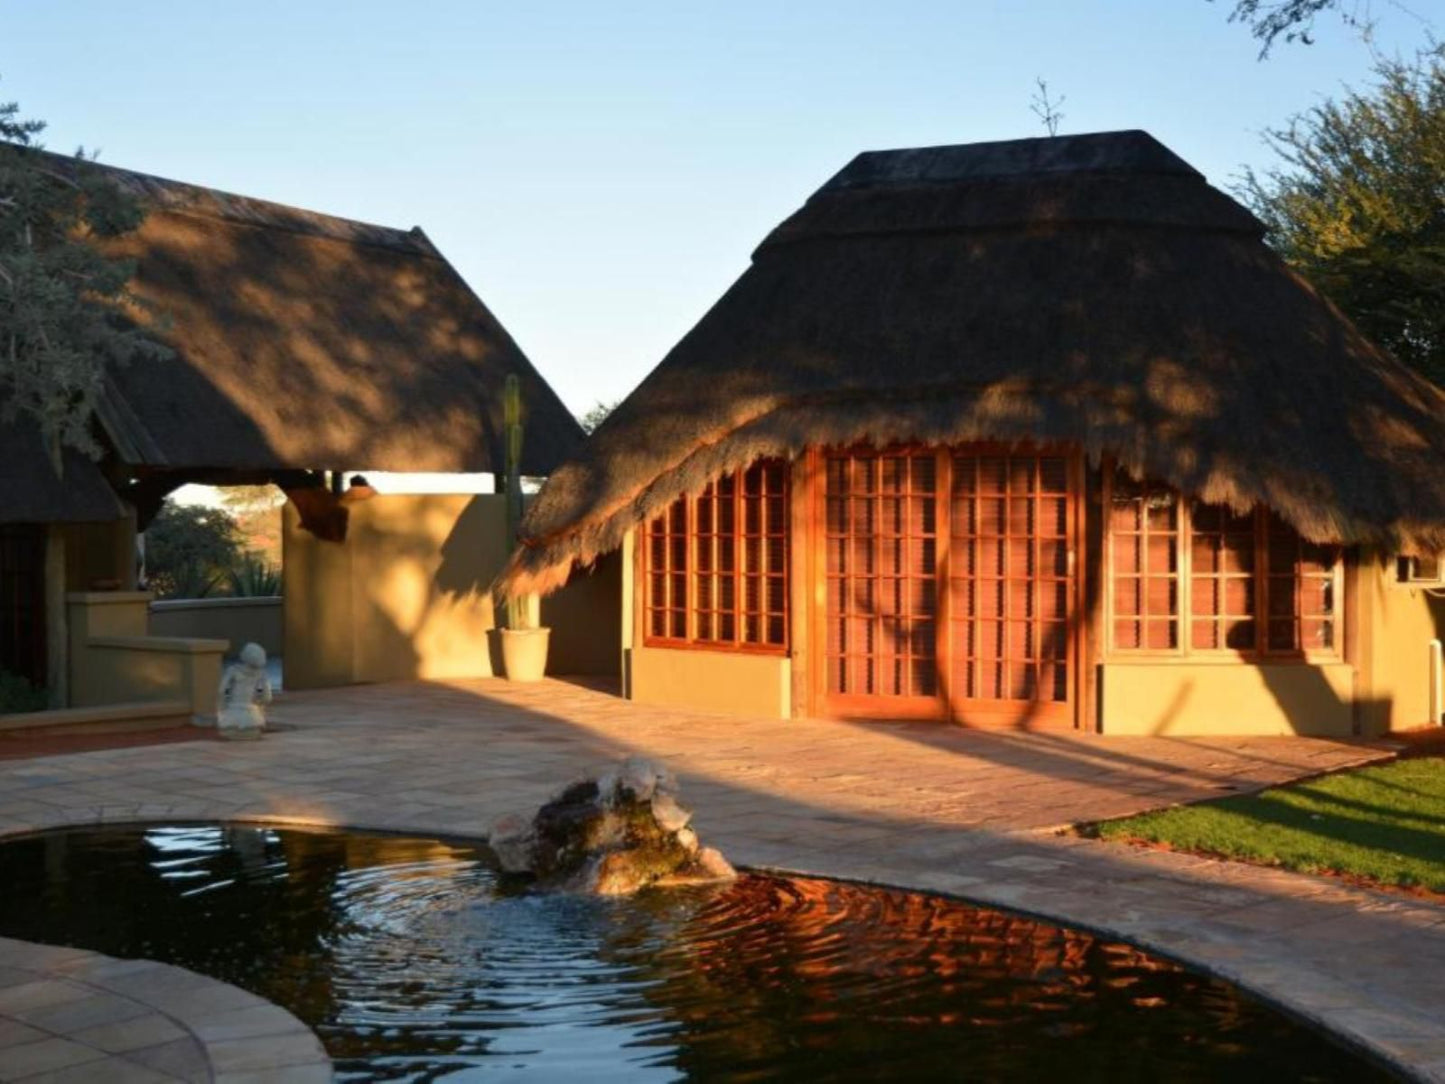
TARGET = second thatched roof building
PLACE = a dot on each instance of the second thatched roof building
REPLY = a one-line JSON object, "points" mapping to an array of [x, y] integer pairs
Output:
{"points": [[991, 432]]}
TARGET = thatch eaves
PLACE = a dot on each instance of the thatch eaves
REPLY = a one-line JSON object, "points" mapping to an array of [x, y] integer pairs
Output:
{"points": [[32, 492], [1088, 289], [306, 341]]}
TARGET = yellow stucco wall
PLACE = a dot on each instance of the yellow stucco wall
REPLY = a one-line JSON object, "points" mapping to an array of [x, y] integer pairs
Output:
{"points": [[1395, 623], [236, 620], [583, 617], [730, 681], [405, 596], [112, 660], [99, 556], [1183, 699]]}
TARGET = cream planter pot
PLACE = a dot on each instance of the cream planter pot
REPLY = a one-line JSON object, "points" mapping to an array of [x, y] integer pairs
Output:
{"points": [[524, 653]]}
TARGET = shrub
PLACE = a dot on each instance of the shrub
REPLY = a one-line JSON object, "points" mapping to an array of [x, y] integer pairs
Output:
{"points": [[254, 577], [18, 695], [189, 549]]}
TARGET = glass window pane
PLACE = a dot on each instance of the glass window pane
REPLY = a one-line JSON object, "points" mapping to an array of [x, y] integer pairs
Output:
{"points": [[703, 601], [1162, 508], [1282, 636], [1161, 635]]}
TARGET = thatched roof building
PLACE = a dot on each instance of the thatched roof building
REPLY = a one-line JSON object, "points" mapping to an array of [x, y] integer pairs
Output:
{"points": [[1088, 289], [32, 492], [306, 341]]}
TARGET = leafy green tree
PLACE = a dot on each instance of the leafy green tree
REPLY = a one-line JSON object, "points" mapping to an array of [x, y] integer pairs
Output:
{"points": [[190, 550], [62, 302], [1358, 207]]}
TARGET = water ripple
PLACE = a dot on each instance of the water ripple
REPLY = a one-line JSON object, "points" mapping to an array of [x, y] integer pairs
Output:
{"points": [[412, 963]]}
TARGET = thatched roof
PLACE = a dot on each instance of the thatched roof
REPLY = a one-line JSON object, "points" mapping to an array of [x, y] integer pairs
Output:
{"points": [[304, 341], [1090, 289], [31, 491]]}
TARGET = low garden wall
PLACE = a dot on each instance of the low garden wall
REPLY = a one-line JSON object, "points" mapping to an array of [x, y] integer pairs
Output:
{"points": [[114, 660], [237, 620]]}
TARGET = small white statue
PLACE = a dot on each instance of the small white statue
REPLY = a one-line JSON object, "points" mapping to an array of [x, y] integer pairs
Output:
{"points": [[245, 687]]}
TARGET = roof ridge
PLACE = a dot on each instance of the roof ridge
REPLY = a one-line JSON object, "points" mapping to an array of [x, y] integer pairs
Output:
{"points": [[1130, 150], [183, 197]]}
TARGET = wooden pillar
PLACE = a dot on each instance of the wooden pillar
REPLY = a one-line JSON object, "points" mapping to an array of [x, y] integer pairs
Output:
{"points": [[631, 609], [1090, 571], [57, 638], [804, 648]]}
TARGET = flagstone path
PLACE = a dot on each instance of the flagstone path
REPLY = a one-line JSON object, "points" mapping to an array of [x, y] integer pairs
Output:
{"points": [[913, 805]]}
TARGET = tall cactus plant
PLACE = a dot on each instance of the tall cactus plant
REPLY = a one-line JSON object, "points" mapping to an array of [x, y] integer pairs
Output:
{"points": [[521, 608]]}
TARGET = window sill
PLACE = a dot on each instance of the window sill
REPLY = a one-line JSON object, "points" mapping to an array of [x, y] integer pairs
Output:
{"points": [[1179, 658], [664, 644]]}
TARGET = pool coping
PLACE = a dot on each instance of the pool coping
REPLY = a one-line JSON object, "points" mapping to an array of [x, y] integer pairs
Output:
{"points": [[1319, 1006], [73, 1014]]}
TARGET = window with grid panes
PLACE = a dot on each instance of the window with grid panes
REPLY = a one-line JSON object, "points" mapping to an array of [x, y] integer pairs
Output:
{"points": [[716, 564], [1301, 592], [1254, 585], [1144, 520], [1222, 583]]}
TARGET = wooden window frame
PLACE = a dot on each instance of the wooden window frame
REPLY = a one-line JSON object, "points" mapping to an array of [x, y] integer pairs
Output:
{"points": [[1408, 570], [1184, 651], [778, 530], [1145, 533]]}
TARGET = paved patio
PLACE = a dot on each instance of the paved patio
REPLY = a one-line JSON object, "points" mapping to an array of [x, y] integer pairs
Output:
{"points": [[73, 1016], [919, 806]]}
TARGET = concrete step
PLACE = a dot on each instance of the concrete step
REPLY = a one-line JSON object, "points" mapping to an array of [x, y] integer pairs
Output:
{"points": [[101, 719]]}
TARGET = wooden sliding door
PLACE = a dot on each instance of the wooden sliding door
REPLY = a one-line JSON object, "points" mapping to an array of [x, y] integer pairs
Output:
{"points": [[950, 584], [881, 564], [1010, 596]]}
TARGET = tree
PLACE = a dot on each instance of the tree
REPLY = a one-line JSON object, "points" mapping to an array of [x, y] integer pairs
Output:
{"points": [[189, 550], [257, 511], [1358, 207], [595, 415], [1294, 20], [248, 500], [62, 302], [1046, 108]]}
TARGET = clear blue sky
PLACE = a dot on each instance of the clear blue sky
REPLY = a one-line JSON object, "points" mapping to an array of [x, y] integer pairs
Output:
{"points": [[600, 172]]}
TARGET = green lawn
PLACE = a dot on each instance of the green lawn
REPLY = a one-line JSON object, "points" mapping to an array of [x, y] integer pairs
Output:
{"points": [[1385, 823]]}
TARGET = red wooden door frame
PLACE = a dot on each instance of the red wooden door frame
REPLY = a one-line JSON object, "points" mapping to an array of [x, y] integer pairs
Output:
{"points": [[945, 703]]}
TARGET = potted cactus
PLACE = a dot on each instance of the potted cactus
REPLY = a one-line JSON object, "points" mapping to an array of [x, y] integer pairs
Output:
{"points": [[524, 640]]}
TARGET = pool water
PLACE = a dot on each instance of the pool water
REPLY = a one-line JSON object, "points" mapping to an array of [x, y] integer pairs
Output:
{"points": [[412, 962]]}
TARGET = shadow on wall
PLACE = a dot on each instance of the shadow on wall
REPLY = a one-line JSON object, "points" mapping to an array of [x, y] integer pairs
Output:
{"points": [[585, 616], [405, 597]]}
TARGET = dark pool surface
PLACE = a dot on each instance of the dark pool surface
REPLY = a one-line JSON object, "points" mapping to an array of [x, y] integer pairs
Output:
{"points": [[411, 965]]}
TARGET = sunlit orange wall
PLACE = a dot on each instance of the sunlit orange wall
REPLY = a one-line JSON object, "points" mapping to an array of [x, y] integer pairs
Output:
{"points": [[1396, 623], [405, 597]]}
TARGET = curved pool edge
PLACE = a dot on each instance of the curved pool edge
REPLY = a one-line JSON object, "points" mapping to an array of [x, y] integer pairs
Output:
{"points": [[1347, 1013], [1378, 1047], [67, 1009]]}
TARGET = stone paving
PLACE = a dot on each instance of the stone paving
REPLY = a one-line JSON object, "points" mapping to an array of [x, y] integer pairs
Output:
{"points": [[914, 805], [73, 1016]]}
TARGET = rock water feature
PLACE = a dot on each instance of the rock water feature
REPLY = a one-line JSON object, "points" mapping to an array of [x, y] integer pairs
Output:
{"points": [[610, 836]]}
